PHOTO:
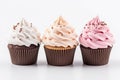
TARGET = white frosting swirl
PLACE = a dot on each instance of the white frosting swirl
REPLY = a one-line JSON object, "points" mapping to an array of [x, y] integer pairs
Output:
{"points": [[24, 34], [60, 34]]}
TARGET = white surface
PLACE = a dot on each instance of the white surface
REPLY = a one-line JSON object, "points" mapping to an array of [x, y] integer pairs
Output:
{"points": [[42, 13]]}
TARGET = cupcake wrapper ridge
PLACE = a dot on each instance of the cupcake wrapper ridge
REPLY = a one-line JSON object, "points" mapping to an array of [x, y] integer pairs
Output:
{"points": [[61, 57], [95, 56], [23, 55]]}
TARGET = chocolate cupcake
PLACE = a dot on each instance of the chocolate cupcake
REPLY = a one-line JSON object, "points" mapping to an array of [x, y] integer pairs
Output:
{"points": [[96, 43], [24, 44], [60, 43]]}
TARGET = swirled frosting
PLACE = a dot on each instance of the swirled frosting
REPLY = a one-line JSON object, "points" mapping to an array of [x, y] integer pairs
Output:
{"points": [[60, 34], [96, 34], [24, 34]]}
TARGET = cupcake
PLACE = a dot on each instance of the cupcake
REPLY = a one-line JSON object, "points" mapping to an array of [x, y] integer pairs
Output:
{"points": [[96, 42], [60, 43], [24, 44]]}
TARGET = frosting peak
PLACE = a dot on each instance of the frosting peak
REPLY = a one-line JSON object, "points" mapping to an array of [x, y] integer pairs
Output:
{"points": [[25, 23], [25, 33], [60, 21], [94, 21]]}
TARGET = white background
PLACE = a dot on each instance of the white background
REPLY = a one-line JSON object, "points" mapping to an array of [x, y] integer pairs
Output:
{"points": [[42, 13]]}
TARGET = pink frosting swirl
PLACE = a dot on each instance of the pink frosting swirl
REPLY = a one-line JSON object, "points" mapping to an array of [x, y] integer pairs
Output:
{"points": [[96, 34]]}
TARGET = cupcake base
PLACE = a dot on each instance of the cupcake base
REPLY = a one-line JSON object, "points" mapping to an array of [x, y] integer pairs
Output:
{"points": [[22, 55], [59, 56], [95, 57]]}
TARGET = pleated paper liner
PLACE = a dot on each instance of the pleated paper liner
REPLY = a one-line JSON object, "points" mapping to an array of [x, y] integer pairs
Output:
{"points": [[22, 55], [59, 56], [95, 56]]}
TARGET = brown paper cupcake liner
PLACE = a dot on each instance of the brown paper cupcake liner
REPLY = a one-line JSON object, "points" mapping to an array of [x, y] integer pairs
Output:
{"points": [[59, 57], [22, 55], [95, 56]]}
